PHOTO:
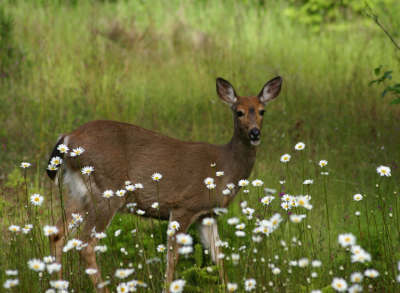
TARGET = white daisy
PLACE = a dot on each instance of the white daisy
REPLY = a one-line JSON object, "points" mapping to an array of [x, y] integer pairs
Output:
{"points": [[219, 173], [285, 158], [257, 182], [358, 197], [54, 267], [25, 165], [140, 212], [63, 148], [384, 171], [185, 250], [87, 170], [52, 167], [231, 287], [49, 259], [177, 286], [360, 257], [161, 248], [356, 277], [316, 263], [308, 182], [138, 185], [243, 182], [233, 221], [60, 284], [250, 284], [156, 176], [100, 235], [208, 221], [346, 239], [355, 288], [108, 193], [100, 248], [299, 146], [208, 181], [296, 218], [56, 160], [371, 273], [130, 187], [174, 225], [155, 205], [120, 193], [11, 283], [230, 186], [323, 163], [36, 265], [37, 199], [184, 239], [339, 284], [91, 271], [303, 262], [50, 230], [12, 272], [226, 192], [117, 233], [123, 273], [239, 233], [14, 228], [77, 152]]}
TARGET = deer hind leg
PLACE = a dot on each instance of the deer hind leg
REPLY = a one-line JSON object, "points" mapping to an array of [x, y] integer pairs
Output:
{"points": [[209, 237], [173, 246]]}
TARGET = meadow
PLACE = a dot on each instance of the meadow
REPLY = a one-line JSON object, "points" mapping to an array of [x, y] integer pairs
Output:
{"points": [[154, 64]]}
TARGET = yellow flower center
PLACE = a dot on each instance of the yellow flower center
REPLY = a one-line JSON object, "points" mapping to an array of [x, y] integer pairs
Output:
{"points": [[357, 279], [339, 285], [347, 239], [176, 287], [36, 266], [285, 158], [383, 171], [37, 199], [122, 289]]}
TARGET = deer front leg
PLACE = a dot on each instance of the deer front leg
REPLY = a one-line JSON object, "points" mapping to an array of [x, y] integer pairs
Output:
{"points": [[209, 237]]}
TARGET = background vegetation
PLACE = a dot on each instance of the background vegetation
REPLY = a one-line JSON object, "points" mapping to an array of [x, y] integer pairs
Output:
{"points": [[154, 64]]}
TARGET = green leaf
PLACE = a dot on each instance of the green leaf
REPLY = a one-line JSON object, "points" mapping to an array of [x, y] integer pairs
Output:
{"points": [[397, 101], [383, 93], [377, 70], [387, 73], [371, 82]]}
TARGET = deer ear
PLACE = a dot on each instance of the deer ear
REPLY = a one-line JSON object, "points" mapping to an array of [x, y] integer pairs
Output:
{"points": [[225, 91], [270, 90]]}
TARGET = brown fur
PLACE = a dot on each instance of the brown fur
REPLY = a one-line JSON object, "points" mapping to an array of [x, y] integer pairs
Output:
{"points": [[120, 152]]}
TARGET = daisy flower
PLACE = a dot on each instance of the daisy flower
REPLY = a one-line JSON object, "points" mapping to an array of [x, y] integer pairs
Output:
{"points": [[12, 272], [230, 186], [269, 190], [184, 239], [239, 233], [371, 273], [50, 230], [25, 165], [233, 221], [285, 158], [316, 263], [77, 217], [130, 187], [138, 185], [185, 250], [49, 259], [250, 284], [177, 286], [100, 248], [155, 205], [122, 288], [36, 265], [356, 277], [77, 152], [308, 182], [54, 267], [52, 167], [355, 288], [357, 213], [296, 218], [123, 273], [360, 257], [243, 182], [161, 248], [211, 186], [303, 262], [220, 211], [302, 201], [37, 199], [346, 239], [91, 271], [87, 170], [285, 205], [14, 228], [299, 146], [156, 176], [257, 182], [208, 221], [108, 193], [11, 283], [100, 235], [60, 284], [358, 197], [266, 200], [120, 193], [63, 148], [226, 192], [219, 173], [208, 181], [323, 163], [275, 220], [74, 243], [241, 226], [56, 160], [383, 171], [339, 284], [117, 233], [174, 225], [276, 271], [140, 212], [232, 287]]}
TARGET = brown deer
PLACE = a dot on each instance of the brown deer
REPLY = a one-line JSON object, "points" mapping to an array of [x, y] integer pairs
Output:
{"points": [[120, 152]]}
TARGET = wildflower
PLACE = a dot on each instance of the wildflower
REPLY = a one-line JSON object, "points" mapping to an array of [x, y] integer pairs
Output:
{"points": [[339, 284], [87, 170], [60, 284], [325, 173], [120, 193], [293, 263], [219, 173], [230, 186], [63, 148], [232, 287], [213, 165], [269, 190], [226, 192], [303, 262], [299, 146], [184, 239], [77, 152], [302, 201], [219, 211], [257, 182], [371, 273], [185, 250], [108, 193], [208, 181], [308, 182], [288, 197], [156, 176], [155, 205], [361, 257], [250, 284], [49, 230], [170, 232], [316, 263], [323, 163], [285, 205], [211, 186], [91, 271], [239, 233], [285, 158], [161, 248], [246, 191], [25, 165], [208, 221], [356, 277], [122, 288], [11, 272], [174, 225], [36, 265], [248, 211], [282, 182], [52, 167], [358, 197], [243, 182], [355, 288], [266, 200], [14, 228], [140, 212], [383, 171], [346, 239], [177, 286], [275, 220], [100, 248], [314, 275], [276, 271], [233, 221], [128, 183], [296, 218], [56, 161], [357, 213], [37, 199], [130, 187], [117, 233], [54, 267], [100, 235], [123, 273], [138, 185], [74, 243], [11, 283]]}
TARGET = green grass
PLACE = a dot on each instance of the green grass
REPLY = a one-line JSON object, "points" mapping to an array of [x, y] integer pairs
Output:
{"points": [[154, 64]]}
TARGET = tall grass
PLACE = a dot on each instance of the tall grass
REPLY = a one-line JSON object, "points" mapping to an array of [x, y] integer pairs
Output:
{"points": [[154, 64]]}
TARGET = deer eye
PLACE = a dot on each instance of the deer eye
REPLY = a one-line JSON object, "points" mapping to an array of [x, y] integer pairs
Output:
{"points": [[262, 112], [240, 113]]}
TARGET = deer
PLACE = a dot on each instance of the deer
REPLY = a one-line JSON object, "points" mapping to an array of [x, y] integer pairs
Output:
{"points": [[122, 152]]}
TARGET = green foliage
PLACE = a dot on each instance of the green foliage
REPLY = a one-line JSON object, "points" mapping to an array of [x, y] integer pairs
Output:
{"points": [[394, 90], [14, 178], [198, 255]]}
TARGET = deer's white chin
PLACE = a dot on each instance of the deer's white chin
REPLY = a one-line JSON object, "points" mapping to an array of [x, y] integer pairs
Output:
{"points": [[255, 142]]}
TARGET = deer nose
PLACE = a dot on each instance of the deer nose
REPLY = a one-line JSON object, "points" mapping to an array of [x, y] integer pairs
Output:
{"points": [[255, 134]]}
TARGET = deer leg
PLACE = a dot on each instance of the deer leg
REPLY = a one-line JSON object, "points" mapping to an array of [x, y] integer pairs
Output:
{"points": [[209, 237]]}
